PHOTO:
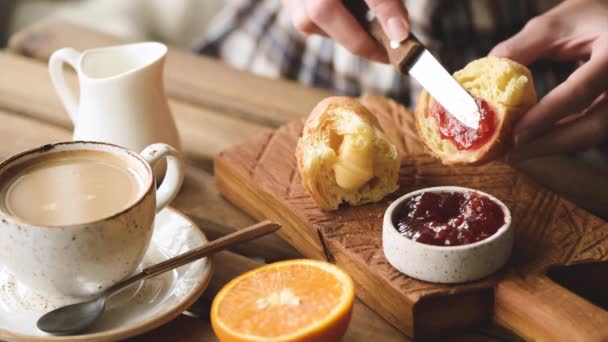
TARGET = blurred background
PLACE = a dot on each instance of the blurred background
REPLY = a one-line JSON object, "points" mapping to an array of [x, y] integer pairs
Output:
{"points": [[175, 22]]}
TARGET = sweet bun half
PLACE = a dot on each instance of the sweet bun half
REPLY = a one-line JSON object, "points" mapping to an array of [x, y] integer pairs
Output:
{"points": [[343, 155], [508, 89]]}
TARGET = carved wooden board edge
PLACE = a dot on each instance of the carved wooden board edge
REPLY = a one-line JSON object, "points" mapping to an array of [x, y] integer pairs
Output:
{"points": [[267, 184]]}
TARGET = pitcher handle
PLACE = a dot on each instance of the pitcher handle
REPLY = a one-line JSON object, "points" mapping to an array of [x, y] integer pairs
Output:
{"points": [[174, 176], [58, 58]]}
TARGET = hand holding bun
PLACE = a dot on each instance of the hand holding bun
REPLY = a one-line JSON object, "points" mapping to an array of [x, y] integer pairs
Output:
{"points": [[508, 91], [343, 155]]}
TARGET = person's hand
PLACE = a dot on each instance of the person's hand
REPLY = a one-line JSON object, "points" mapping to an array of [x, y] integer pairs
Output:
{"points": [[574, 115], [331, 18]]}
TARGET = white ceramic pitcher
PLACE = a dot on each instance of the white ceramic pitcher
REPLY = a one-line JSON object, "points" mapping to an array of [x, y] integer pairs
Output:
{"points": [[122, 98]]}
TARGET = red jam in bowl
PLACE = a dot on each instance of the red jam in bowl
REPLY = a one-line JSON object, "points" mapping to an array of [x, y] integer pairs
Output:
{"points": [[464, 137], [448, 218]]}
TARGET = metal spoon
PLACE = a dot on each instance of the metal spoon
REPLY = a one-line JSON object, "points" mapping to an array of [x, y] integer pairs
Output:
{"points": [[74, 318]]}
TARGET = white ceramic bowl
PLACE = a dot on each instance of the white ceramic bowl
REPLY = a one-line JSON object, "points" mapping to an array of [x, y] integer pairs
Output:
{"points": [[443, 264]]}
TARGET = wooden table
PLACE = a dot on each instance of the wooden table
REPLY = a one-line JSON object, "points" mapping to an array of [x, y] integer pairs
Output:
{"points": [[215, 107]]}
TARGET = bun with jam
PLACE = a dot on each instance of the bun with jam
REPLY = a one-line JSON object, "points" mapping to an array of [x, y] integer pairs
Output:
{"points": [[343, 155], [503, 89]]}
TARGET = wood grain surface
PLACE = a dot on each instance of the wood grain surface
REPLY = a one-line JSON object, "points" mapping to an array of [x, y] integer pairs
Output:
{"points": [[260, 176]]}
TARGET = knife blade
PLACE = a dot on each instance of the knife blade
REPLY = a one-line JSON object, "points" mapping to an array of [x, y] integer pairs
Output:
{"points": [[413, 58], [433, 77]]}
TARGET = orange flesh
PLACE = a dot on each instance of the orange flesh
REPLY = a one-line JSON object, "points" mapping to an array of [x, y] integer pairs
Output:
{"points": [[273, 303]]}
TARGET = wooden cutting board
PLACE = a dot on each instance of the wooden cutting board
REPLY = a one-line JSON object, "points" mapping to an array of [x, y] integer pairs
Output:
{"points": [[552, 234]]}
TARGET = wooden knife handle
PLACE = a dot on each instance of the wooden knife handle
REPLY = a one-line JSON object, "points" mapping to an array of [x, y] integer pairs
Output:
{"points": [[400, 56]]}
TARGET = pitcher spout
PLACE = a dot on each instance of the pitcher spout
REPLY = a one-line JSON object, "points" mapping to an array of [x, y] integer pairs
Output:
{"points": [[122, 60]]}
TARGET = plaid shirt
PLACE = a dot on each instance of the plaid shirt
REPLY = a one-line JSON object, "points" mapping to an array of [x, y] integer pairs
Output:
{"points": [[258, 36]]}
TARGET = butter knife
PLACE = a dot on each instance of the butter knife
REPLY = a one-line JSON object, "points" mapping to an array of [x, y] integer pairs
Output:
{"points": [[413, 58]]}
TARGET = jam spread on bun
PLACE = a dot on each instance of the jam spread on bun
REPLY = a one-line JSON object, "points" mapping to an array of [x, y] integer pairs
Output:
{"points": [[464, 137]]}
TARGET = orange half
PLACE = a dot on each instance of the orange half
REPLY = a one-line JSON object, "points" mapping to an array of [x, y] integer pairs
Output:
{"points": [[294, 300]]}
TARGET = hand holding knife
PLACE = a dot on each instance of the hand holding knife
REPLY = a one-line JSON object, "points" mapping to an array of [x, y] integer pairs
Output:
{"points": [[411, 57]]}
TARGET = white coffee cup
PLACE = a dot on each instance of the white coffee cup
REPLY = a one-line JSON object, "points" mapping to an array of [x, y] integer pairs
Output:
{"points": [[86, 258]]}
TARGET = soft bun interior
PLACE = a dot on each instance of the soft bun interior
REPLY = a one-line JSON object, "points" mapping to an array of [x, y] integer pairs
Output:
{"points": [[500, 81], [343, 155], [505, 85]]}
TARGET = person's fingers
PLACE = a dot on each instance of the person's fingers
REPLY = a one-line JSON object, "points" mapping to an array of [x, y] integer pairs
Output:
{"points": [[392, 15], [531, 43], [334, 19], [300, 19], [574, 95], [585, 132]]}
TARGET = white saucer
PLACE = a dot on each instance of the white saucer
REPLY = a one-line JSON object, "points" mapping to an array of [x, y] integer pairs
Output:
{"points": [[137, 309]]}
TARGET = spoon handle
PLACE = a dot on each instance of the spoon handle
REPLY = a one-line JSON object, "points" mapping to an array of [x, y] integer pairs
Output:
{"points": [[252, 232], [246, 234]]}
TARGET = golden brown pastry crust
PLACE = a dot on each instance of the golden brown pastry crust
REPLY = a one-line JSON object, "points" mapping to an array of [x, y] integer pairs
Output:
{"points": [[508, 108], [317, 182], [319, 114]]}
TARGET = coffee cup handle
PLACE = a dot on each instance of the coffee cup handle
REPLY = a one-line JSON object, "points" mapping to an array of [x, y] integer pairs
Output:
{"points": [[174, 176], [58, 58]]}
